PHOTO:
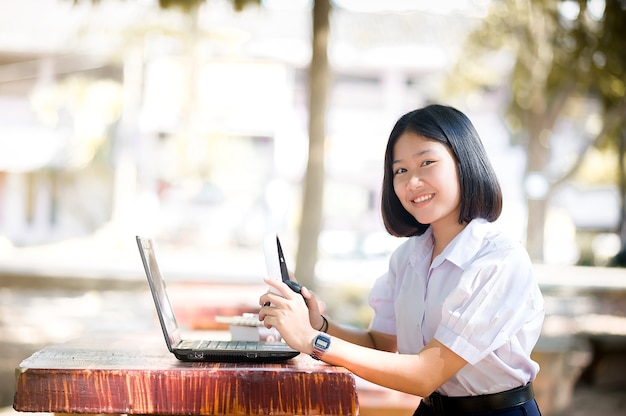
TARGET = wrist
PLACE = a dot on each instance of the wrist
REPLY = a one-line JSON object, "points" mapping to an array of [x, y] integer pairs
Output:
{"points": [[319, 345], [323, 327]]}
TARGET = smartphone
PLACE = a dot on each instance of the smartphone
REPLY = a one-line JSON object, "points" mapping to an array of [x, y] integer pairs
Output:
{"points": [[276, 264]]}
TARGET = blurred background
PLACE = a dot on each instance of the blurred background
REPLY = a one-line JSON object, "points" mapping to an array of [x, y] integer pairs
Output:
{"points": [[207, 124]]}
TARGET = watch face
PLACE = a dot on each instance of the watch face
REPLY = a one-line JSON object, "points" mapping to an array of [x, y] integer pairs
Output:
{"points": [[321, 343]]}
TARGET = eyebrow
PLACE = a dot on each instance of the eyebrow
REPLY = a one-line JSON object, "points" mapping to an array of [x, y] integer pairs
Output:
{"points": [[420, 153]]}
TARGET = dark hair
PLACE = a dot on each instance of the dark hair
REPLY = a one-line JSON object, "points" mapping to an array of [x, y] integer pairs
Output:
{"points": [[481, 196]]}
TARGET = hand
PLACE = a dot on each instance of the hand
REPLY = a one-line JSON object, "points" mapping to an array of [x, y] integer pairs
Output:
{"points": [[313, 303], [288, 314]]}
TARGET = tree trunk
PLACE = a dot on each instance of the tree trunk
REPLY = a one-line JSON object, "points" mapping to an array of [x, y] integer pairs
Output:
{"points": [[312, 201], [537, 158], [535, 228], [622, 194]]}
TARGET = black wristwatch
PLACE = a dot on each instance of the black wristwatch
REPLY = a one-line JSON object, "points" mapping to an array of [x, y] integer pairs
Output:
{"points": [[320, 345]]}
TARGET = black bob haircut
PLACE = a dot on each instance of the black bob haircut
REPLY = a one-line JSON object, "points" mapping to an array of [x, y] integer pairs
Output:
{"points": [[481, 196]]}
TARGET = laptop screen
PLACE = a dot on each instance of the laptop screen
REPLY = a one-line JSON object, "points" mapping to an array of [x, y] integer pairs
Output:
{"points": [[157, 287]]}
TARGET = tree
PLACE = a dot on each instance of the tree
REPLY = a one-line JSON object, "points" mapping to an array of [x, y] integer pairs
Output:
{"points": [[312, 205], [312, 201], [564, 53], [313, 191]]}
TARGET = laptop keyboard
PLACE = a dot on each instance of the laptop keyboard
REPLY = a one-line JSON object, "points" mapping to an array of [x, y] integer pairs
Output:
{"points": [[220, 345]]}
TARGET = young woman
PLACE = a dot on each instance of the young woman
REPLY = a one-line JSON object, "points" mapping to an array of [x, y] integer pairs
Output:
{"points": [[459, 310]]}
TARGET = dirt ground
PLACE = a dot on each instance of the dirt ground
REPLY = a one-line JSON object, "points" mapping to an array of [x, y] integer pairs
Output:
{"points": [[598, 402]]}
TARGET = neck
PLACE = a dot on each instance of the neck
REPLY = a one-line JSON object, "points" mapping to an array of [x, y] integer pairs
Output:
{"points": [[444, 235]]}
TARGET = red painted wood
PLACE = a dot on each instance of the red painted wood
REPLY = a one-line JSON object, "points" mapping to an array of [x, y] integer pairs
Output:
{"points": [[103, 374]]}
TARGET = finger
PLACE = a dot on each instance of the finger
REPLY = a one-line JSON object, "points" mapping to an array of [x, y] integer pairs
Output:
{"points": [[265, 316], [266, 322], [310, 299], [284, 290], [306, 293], [263, 300], [270, 298]]}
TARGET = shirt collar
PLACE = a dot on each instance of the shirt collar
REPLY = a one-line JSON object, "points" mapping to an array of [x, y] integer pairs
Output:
{"points": [[466, 244]]}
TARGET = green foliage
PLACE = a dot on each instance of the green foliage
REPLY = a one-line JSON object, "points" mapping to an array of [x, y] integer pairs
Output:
{"points": [[240, 4], [560, 58], [552, 47], [591, 50], [185, 5], [190, 5]]}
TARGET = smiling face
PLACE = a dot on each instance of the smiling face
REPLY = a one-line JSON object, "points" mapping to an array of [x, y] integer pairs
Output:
{"points": [[425, 179]]}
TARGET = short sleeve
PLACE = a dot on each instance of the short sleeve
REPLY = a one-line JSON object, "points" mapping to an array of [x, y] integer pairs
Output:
{"points": [[381, 299], [496, 297]]}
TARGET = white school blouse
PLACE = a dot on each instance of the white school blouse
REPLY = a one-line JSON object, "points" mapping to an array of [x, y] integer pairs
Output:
{"points": [[479, 298]]}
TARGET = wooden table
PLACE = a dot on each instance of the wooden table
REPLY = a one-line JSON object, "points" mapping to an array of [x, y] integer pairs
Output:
{"points": [[138, 375]]}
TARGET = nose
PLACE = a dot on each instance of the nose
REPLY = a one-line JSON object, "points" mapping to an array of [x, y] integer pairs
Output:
{"points": [[414, 181]]}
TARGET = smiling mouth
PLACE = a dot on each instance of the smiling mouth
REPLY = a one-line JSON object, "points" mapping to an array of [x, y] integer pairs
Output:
{"points": [[423, 198]]}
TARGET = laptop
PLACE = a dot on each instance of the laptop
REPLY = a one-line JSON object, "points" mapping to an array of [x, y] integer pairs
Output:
{"points": [[201, 349]]}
